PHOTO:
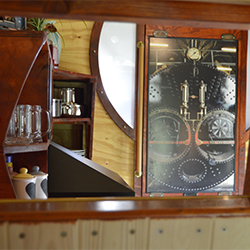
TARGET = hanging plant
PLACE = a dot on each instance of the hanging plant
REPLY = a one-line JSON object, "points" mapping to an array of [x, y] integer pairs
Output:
{"points": [[48, 26]]}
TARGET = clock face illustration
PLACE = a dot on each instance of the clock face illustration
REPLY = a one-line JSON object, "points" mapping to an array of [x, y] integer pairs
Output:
{"points": [[191, 128]]}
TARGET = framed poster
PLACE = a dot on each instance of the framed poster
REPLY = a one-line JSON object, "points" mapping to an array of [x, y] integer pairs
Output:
{"points": [[191, 115]]}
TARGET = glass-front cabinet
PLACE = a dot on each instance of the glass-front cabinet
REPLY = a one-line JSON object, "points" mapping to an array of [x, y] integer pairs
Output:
{"points": [[193, 126]]}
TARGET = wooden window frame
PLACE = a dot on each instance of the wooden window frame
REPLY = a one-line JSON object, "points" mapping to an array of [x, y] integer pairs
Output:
{"points": [[241, 133]]}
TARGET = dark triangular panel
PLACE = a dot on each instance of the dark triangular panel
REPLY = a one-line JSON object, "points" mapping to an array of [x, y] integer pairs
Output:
{"points": [[71, 175]]}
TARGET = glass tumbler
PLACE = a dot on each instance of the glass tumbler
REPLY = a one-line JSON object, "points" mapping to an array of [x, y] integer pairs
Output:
{"points": [[24, 124], [11, 133]]}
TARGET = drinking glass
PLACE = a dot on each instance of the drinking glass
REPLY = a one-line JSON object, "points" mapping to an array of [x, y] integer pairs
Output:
{"points": [[37, 121], [11, 133]]}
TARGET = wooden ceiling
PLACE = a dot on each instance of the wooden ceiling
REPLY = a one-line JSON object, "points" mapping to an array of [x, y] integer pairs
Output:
{"points": [[230, 14]]}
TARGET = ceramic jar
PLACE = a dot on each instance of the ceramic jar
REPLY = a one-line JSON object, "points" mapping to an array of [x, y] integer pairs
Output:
{"points": [[41, 183], [24, 185]]}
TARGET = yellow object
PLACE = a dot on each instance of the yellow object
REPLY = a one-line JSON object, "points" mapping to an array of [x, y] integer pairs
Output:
{"points": [[138, 171], [9, 164], [23, 174]]}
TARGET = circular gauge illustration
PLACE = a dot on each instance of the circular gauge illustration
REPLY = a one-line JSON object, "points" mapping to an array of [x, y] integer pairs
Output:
{"points": [[214, 136], [168, 136], [194, 54], [190, 135], [192, 170]]}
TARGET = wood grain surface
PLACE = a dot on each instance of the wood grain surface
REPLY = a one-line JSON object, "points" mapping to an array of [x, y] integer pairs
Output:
{"points": [[14, 75], [148, 233], [112, 148], [188, 13], [71, 209]]}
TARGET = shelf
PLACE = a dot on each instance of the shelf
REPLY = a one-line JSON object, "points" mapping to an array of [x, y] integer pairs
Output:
{"points": [[34, 147], [75, 120], [62, 75], [75, 132], [28, 84]]}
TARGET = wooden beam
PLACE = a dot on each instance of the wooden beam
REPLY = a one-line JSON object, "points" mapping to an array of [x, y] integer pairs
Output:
{"points": [[177, 13], [122, 208]]}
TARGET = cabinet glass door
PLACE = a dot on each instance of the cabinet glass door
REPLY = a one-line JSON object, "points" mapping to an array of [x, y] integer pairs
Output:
{"points": [[191, 115]]}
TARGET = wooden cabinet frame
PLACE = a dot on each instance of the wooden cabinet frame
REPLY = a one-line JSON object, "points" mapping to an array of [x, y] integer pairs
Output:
{"points": [[24, 70], [241, 135]]}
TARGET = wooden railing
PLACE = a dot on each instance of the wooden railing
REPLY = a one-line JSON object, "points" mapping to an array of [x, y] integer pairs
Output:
{"points": [[71, 209], [121, 223]]}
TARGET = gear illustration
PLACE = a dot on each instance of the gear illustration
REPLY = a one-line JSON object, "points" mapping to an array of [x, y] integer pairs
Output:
{"points": [[215, 137], [169, 136]]}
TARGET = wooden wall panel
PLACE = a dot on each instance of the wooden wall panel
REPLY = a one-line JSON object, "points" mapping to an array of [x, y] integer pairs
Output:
{"points": [[231, 233], [194, 233], [75, 51], [137, 234], [4, 235], [166, 233], [111, 147], [89, 234], [113, 235], [83, 234], [43, 236], [121, 234]]}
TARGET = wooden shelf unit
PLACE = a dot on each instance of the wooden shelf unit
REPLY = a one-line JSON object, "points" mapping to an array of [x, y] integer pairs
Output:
{"points": [[85, 88], [25, 69]]}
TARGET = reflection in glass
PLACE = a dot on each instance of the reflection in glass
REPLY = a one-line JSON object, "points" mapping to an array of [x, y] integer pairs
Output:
{"points": [[116, 57]]}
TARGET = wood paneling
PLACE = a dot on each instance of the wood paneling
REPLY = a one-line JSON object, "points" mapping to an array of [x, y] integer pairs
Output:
{"points": [[43, 236], [185, 233], [231, 233], [112, 148], [137, 232], [3, 235], [188, 13], [75, 50], [121, 223], [180, 233], [25, 47], [90, 234]]}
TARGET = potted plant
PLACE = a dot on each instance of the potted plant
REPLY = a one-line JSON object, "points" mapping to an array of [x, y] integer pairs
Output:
{"points": [[48, 26]]}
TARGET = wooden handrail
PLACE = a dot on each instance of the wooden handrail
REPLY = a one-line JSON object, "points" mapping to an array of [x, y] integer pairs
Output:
{"points": [[122, 208]]}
